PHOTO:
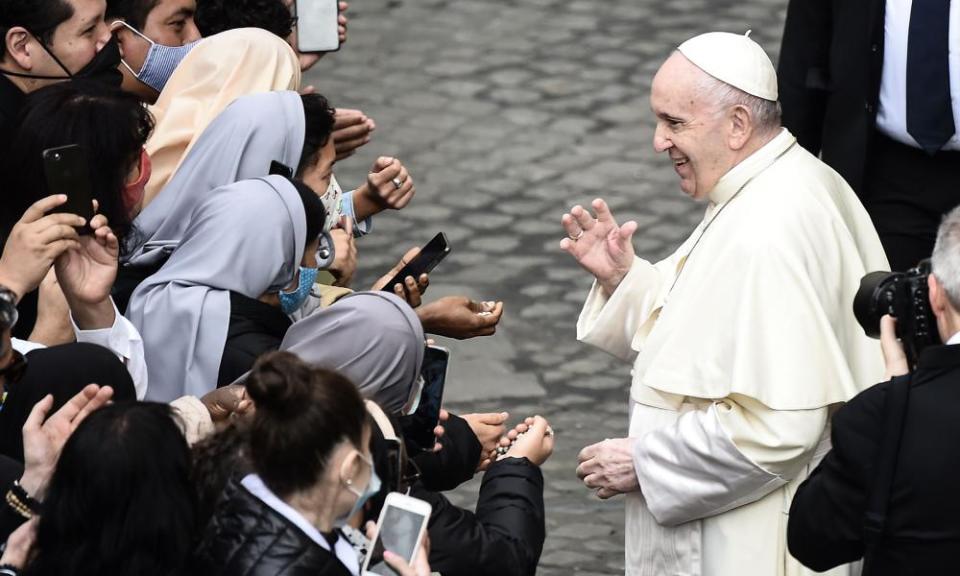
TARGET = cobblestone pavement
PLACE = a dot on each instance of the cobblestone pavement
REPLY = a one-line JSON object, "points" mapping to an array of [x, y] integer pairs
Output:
{"points": [[508, 112]]}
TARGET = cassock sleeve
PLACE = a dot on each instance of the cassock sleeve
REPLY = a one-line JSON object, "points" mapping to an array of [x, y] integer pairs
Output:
{"points": [[124, 340], [729, 454], [611, 323]]}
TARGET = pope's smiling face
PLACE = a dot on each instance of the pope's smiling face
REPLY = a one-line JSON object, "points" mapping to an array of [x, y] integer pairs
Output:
{"points": [[689, 127]]}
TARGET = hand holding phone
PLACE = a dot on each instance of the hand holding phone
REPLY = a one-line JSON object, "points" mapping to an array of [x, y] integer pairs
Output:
{"points": [[424, 262], [400, 531]]}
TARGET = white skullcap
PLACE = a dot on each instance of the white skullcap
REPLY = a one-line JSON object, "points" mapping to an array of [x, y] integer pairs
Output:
{"points": [[735, 60]]}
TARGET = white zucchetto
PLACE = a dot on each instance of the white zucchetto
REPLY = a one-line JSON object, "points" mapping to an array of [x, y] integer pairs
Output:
{"points": [[735, 60]]}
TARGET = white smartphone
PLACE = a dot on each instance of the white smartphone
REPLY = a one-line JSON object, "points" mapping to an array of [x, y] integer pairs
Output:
{"points": [[317, 27], [400, 529]]}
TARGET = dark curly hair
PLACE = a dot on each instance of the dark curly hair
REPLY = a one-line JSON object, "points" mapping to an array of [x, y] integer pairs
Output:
{"points": [[215, 16], [109, 125]]}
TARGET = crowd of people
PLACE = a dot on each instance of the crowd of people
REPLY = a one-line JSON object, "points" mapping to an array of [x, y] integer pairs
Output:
{"points": [[192, 384]]}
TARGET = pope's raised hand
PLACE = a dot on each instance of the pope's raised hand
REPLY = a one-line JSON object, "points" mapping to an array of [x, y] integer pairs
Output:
{"points": [[599, 244]]}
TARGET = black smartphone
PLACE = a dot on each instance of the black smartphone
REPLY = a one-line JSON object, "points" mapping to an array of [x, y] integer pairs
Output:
{"points": [[422, 422], [424, 263], [318, 29], [67, 172]]}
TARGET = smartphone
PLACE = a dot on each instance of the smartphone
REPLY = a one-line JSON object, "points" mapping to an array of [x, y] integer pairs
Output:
{"points": [[67, 172], [317, 26], [434, 373], [428, 258], [400, 529]]}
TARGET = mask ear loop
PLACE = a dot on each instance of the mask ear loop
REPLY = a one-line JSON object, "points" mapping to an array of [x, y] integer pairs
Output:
{"points": [[50, 53], [113, 30]]}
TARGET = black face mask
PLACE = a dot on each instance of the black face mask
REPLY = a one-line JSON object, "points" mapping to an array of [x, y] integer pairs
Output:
{"points": [[104, 68]]}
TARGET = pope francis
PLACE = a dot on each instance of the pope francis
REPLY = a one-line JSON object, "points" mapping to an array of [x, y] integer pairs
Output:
{"points": [[743, 340]]}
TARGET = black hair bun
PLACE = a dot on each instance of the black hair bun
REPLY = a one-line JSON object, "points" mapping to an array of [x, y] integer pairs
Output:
{"points": [[280, 383]]}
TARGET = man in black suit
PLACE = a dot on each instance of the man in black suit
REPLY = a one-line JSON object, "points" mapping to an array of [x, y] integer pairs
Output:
{"points": [[874, 87], [887, 491]]}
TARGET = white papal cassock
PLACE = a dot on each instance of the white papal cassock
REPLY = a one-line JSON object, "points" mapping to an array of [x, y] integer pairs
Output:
{"points": [[738, 365]]}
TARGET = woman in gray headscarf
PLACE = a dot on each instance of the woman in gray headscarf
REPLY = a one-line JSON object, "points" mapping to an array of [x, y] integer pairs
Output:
{"points": [[246, 238], [373, 338], [238, 145]]}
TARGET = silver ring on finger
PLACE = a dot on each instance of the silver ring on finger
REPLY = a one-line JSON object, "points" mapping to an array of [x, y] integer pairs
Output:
{"points": [[397, 183], [577, 237]]}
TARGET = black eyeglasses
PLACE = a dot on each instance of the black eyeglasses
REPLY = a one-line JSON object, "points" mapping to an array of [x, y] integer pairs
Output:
{"points": [[14, 371]]}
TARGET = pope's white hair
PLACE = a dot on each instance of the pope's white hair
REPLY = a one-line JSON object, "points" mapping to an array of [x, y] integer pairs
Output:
{"points": [[946, 256], [765, 114]]}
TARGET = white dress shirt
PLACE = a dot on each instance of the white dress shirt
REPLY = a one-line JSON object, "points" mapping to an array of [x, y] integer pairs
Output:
{"points": [[892, 112], [122, 339], [343, 550]]}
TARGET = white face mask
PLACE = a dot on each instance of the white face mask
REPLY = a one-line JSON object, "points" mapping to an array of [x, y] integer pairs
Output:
{"points": [[413, 402], [332, 204]]}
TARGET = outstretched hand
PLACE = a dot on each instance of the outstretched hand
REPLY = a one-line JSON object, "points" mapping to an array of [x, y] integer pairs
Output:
{"points": [[461, 318], [411, 289], [43, 438], [599, 245]]}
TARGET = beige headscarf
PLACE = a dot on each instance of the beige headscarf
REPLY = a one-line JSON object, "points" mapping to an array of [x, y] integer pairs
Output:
{"points": [[215, 73]]}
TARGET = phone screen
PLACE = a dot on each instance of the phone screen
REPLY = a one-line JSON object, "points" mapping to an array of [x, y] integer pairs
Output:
{"points": [[399, 531], [424, 263], [317, 27], [427, 416]]}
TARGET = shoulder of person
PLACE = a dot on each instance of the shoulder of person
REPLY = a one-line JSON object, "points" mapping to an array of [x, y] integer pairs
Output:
{"points": [[863, 415]]}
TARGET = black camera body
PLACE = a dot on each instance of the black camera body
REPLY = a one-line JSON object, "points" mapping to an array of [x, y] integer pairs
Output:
{"points": [[905, 296]]}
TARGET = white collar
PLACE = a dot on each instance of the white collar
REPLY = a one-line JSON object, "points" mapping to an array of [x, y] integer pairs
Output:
{"points": [[343, 550], [955, 339]]}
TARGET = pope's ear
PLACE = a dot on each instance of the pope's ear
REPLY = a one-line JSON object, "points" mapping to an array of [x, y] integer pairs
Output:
{"points": [[17, 47], [741, 127]]}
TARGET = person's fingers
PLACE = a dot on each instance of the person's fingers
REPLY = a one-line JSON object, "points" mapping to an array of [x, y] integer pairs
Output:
{"points": [[583, 218], [627, 231], [570, 225], [606, 493], [438, 431], [77, 403], [39, 208], [397, 563], [371, 529], [60, 219], [307, 90], [99, 400], [603, 211], [424, 282], [98, 222], [344, 6], [592, 480], [58, 232], [38, 414], [56, 249], [356, 130], [382, 163], [444, 415], [588, 453]]}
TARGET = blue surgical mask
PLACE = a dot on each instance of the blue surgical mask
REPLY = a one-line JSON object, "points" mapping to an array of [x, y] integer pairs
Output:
{"points": [[160, 63], [290, 302], [373, 488]]}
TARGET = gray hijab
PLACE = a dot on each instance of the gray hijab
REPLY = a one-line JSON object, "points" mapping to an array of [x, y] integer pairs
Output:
{"points": [[373, 338], [248, 238], [239, 144]]}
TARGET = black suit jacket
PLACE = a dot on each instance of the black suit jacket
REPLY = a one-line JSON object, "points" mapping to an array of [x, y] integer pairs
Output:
{"points": [[923, 519], [831, 61]]}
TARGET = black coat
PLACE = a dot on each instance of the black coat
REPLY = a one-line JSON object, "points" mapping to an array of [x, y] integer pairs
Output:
{"points": [[923, 519], [255, 329], [246, 537], [456, 463], [829, 75], [504, 536]]}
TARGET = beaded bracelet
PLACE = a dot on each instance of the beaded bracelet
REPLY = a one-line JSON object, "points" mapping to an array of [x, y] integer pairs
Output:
{"points": [[21, 502]]}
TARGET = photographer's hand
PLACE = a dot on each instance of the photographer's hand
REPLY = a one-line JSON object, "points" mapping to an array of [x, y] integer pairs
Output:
{"points": [[894, 357]]}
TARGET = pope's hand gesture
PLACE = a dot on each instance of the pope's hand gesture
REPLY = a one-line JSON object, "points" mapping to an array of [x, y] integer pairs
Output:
{"points": [[599, 245]]}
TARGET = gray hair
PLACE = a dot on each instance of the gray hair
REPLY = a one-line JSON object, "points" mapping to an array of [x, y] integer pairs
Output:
{"points": [[946, 256], [764, 113]]}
